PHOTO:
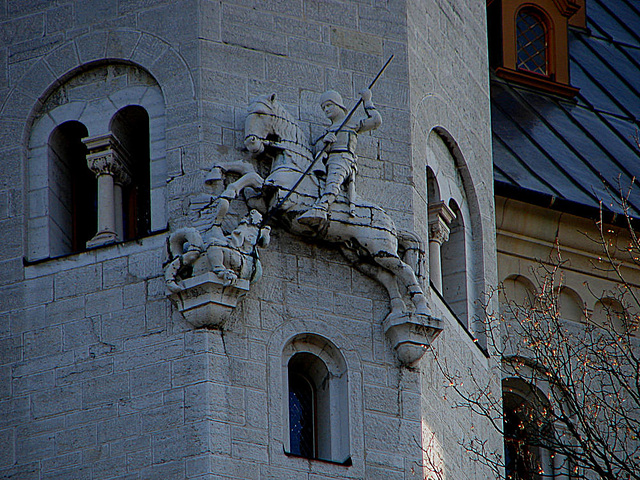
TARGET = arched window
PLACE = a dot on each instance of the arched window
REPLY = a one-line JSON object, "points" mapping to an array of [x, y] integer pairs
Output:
{"points": [[532, 42], [303, 403], [317, 407], [71, 192], [610, 314], [96, 170], [525, 427]]}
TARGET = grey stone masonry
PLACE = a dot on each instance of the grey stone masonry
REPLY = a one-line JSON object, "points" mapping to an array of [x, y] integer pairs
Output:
{"points": [[100, 375]]}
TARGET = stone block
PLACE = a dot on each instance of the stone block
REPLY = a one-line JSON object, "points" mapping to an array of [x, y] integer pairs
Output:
{"points": [[210, 14], [57, 18], [141, 403], [75, 439], [174, 469], [78, 281], [333, 12], [232, 59], [28, 471], [261, 40], [7, 447], [60, 462], [162, 419], [33, 383], [147, 350], [146, 264], [189, 370], [10, 350], [102, 302], [290, 72], [35, 448], [123, 324], [91, 415], [84, 370], [105, 390], [65, 310], [14, 411], [21, 29], [46, 341], [354, 40], [56, 400], [382, 399], [5, 382], [81, 333], [178, 443], [223, 88], [250, 451], [118, 428], [134, 294], [153, 378], [110, 467]]}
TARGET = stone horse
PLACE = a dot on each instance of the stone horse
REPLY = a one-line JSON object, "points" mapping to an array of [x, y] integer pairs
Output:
{"points": [[367, 237]]}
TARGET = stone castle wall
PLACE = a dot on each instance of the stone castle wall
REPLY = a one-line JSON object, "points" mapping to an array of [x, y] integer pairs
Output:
{"points": [[100, 375]]}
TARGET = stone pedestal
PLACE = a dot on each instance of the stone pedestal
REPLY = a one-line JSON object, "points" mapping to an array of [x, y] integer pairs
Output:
{"points": [[411, 334], [206, 301]]}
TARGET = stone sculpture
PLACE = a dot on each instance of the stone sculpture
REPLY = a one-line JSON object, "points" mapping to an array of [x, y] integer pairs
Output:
{"points": [[338, 153], [231, 258], [300, 202]]}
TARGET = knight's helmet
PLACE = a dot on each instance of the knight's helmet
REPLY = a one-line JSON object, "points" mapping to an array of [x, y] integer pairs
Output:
{"points": [[332, 96]]}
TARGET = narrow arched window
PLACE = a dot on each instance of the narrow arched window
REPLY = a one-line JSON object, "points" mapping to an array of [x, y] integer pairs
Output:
{"points": [[532, 42], [71, 193]]}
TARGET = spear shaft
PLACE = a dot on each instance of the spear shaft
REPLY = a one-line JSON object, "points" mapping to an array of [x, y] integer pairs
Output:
{"points": [[324, 149]]}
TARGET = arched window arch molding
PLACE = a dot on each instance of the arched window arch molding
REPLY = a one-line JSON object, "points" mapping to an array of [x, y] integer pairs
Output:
{"points": [[27, 94], [323, 340], [96, 116], [332, 411], [455, 184]]}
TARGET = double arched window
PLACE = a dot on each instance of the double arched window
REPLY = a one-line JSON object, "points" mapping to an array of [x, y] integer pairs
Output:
{"points": [[92, 156]]}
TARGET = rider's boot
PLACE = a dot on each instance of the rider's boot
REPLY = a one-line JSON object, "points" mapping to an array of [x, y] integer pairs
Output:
{"points": [[317, 215]]}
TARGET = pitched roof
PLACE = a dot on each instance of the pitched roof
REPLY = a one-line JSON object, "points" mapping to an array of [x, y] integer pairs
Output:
{"points": [[576, 153]]}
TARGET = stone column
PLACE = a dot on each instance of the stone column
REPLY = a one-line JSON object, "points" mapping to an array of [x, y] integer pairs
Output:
{"points": [[108, 160], [440, 217]]}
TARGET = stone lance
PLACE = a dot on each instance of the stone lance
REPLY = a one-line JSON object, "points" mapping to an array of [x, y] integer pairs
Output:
{"points": [[320, 154]]}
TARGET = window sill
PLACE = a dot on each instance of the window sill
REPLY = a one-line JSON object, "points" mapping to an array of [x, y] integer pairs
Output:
{"points": [[346, 463], [538, 82]]}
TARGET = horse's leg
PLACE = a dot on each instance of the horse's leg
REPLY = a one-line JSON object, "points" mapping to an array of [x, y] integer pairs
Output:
{"points": [[378, 273], [406, 275]]}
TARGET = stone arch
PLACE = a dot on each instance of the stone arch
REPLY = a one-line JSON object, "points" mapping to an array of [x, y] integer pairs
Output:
{"points": [[28, 96], [518, 290], [570, 304], [93, 96], [306, 335], [320, 362], [456, 188]]}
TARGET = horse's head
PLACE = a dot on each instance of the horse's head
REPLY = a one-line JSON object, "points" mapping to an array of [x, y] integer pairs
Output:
{"points": [[259, 124]]}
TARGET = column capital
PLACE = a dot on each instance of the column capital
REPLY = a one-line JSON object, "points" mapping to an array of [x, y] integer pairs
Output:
{"points": [[107, 156], [440, 218]]}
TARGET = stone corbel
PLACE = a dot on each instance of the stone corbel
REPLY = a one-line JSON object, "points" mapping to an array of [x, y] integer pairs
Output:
{"points": [[410, 334], [440, 218], [207, 300]]}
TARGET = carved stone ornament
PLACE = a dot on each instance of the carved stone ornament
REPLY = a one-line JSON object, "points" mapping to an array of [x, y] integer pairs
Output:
{"points": [[410, 334], [206, 300], [207, 278], [311, 193]]}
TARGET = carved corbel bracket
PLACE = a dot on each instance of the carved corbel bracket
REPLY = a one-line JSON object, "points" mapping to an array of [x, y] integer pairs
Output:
{"points": [[440, 218], [207, 300], [410, 334]]}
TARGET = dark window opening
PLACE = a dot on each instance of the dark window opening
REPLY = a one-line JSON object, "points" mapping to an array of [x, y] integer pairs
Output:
{"points": [[302, 416], [532, 43], [72, 192], [130, 126]]}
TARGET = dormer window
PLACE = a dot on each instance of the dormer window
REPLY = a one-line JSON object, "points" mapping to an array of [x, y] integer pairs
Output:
{"points": [[532, 42], [528, 42]]}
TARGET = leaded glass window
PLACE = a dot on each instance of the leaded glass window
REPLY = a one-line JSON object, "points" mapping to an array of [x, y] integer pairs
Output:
{"points": [[532, 42]]}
